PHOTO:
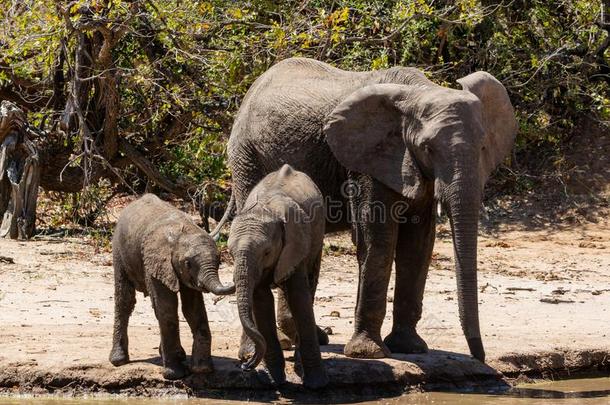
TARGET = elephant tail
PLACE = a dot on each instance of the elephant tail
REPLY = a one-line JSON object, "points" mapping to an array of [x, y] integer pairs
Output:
{"points": [[227, 216]]}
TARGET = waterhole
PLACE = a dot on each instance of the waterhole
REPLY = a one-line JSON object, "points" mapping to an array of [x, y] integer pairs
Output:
{"points": [[592, 391]]}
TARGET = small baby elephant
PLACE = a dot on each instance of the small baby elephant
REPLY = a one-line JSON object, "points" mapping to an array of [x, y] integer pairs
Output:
{"points": [[158, 250], [276, 239]]}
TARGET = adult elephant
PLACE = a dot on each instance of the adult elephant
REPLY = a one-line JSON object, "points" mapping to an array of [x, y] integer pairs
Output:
{"points": [[400, 140]]}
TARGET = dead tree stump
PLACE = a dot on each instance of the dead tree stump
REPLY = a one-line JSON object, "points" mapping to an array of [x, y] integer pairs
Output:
{"points": [[19, 174]]}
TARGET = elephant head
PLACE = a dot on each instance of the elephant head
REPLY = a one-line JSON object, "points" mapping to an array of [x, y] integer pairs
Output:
{"points": [[267, 241], [174, 255], [423, 137]]}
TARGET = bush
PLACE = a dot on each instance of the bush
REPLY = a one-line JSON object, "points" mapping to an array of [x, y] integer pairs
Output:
{"points": [[180, 69]]}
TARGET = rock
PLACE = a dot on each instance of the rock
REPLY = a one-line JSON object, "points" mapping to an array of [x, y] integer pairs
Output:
{"points": [[7, 260], [555, 301]]}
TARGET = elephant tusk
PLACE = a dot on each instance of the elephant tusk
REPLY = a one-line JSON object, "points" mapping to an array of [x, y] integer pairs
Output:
{"points": [[439, 208]]}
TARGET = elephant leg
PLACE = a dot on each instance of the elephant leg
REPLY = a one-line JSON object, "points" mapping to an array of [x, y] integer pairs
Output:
{"points": [[165, 305], [194, 311], [124, 302], [413, 254], [181, 353], [376, 234], [264, 317], [247, 172], [308, 348], [313, 277], [286, 327], [286, 330]]}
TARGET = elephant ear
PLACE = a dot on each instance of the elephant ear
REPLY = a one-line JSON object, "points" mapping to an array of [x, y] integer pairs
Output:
{"points": [[297, 235], [157, 249], [499, 122], [365, 133]]}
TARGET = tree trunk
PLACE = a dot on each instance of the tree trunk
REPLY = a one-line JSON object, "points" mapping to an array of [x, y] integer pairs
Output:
{"points": [[19, 175]]}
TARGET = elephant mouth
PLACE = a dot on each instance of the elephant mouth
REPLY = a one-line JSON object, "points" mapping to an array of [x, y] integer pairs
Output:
{"points": [[197, 285], [190, 281]]}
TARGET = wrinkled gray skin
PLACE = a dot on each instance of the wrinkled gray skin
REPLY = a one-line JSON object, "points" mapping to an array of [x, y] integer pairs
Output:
{"points": [[276, 240], [158, 250], [400, 139]]}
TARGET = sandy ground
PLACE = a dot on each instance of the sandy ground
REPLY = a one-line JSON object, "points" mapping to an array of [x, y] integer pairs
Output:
{"points": [[544, 302]]}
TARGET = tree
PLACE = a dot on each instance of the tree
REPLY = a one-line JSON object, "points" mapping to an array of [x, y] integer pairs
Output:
{"points": [[142, 93], [19, 174]]}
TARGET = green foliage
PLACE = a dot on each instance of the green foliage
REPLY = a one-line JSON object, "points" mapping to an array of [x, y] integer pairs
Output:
{"points": [[185, 66], [199, 158]]}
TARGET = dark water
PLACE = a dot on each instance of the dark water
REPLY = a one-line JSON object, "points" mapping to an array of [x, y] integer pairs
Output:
{"points": [[594, 391]]}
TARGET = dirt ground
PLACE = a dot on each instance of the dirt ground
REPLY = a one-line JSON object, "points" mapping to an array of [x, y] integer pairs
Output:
{"points": [[544, 305]]}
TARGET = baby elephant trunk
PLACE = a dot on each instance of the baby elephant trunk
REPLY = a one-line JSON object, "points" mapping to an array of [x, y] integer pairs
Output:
{"points": [[245, 291], [209, 280]]}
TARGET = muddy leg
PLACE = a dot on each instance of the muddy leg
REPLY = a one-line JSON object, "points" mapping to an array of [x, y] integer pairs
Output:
{"points": [[286, 327], [300, 302], [124, 302], [376, 234], [286, 330], [313, 277], [194, 311], [264, 318], [413, 254], [165, 304]]}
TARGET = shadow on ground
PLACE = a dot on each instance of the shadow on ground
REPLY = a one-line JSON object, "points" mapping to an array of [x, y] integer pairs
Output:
{"points": [[351, 380]]}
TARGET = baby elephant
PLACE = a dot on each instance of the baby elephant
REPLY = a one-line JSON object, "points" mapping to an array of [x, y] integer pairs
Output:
{"points": [[158, 250], [276, 239]]}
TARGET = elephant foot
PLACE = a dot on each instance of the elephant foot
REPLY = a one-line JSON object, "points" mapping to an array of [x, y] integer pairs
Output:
{"points": [[405, 341], [202, 366], [322, 336], [362, 346], [315, 378], [285, 341], [180, 353], [175, 371], [118, 357]]}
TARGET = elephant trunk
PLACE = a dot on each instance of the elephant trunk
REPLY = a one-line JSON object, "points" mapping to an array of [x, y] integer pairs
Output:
{"points": [[463, 200], [244, 282], [209, 280]]}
